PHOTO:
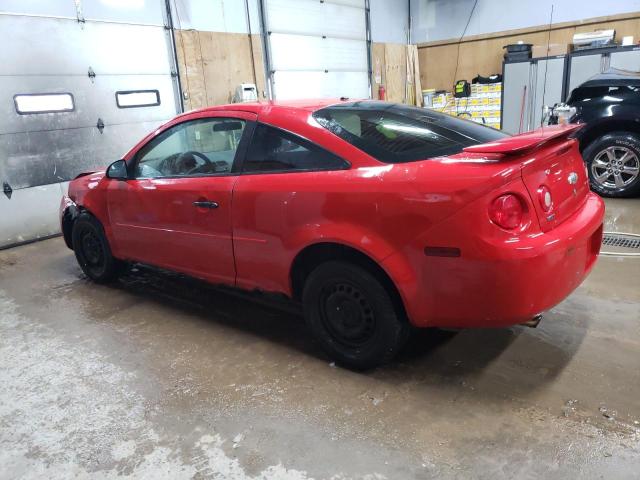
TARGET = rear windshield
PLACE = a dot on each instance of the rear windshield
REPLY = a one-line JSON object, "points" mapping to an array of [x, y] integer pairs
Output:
{"points": [[394, 133]]}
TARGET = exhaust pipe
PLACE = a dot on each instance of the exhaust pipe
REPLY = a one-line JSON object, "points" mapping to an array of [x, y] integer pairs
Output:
{"points": [[533, 323]]}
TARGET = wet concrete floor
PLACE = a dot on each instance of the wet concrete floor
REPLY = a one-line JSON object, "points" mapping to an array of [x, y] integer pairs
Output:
{"points": [[160, 377]]}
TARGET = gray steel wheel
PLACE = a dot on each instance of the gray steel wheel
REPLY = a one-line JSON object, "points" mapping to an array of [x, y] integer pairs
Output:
{"points": [[615, 167]]}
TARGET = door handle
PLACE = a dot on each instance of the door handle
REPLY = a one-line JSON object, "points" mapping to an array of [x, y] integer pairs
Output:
{"points": [[205, 204]]}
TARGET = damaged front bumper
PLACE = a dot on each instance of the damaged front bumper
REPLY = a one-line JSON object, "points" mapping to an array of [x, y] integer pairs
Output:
{"points": [[68, 213]]}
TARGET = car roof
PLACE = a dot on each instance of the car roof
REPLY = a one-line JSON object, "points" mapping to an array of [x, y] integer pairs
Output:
{"points": [[613, 77], [264, 108]]}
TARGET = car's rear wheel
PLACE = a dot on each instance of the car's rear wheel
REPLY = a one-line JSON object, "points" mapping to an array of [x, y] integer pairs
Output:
{"points": [[92, 250], [613, 164], [352, 315]]}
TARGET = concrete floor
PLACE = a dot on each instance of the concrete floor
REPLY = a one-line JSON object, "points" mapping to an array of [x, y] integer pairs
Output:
{"points": [[162, 377]]}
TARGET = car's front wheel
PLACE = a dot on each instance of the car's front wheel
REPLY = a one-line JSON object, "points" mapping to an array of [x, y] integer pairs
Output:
{"points": [[92, 250], [613, 163], [352, 315]]}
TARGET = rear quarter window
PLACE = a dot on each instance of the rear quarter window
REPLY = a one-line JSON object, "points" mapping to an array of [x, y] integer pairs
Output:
{"points": [[395, 133], [275, 150]]}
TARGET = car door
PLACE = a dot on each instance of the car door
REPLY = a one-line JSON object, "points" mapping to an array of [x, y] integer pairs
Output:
{"points": [[287, 184], [174, 211]]}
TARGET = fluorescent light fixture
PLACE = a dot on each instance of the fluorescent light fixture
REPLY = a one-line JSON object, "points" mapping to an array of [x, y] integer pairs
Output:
{"points": [[29, 103]]}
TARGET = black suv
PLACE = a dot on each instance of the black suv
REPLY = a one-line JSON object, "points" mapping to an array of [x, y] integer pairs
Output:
{"points": [[609, 105]]}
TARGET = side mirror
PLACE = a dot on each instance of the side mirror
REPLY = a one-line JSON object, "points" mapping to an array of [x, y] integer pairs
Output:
{"points": [[118, 170]]}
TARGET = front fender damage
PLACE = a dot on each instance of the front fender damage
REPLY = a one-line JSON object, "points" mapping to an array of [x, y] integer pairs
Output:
{"points": [[69, 211]]}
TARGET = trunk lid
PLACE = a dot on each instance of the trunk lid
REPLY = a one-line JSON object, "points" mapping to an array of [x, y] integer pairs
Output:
{"points": [[549, 159]]}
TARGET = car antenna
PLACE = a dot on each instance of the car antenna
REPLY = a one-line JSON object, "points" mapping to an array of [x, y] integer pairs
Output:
{"points": [[546, 67]]}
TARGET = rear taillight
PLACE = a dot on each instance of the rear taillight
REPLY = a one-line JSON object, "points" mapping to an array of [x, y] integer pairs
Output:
{"points": [[507, 211], [544, 198]]}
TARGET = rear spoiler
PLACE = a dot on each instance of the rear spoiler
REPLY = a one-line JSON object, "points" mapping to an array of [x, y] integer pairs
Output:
{"points": [[519, 144]]}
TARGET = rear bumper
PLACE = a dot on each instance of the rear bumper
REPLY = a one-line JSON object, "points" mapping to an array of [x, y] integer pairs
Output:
{"points": [[507, 283]]}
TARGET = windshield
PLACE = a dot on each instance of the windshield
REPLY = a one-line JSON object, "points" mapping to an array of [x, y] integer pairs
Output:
{"points": [[394, 133]]}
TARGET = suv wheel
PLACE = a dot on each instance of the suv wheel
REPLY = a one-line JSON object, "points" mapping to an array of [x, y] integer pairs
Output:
{"points": [[92, 250], [352, 316], [613, 164]]}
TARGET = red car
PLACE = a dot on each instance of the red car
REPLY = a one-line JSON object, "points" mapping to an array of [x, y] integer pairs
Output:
{"points": [[375, 216]]}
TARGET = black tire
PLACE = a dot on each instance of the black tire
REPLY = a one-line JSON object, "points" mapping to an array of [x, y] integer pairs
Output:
{"points": [[92, 250], [352, 316], [605, 156]]}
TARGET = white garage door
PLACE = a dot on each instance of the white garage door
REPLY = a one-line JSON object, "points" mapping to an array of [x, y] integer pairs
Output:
{"points": [[317, 48], [81, 81]]}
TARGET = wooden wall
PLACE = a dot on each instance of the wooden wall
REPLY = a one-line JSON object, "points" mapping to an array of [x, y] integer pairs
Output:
{"points": [[389, 65], [212, 64], [483, 54]]}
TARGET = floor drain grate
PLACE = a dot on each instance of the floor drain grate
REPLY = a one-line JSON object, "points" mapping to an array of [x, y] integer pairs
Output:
{"points": [[620, 240]]}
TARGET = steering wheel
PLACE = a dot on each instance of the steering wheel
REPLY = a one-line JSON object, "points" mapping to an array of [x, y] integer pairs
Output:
{"points": [[193, 153]]}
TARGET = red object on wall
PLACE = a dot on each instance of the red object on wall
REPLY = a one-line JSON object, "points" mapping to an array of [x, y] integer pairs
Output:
{"points": [[382, 93]]}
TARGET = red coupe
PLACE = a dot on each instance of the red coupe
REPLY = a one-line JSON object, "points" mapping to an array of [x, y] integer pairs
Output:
{"points": [[375, 216]]}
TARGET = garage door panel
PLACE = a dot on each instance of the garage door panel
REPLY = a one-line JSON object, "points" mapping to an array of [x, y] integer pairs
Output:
{"points": [[105, 47], [124, 44], [40, 158], [350, 3], [92, 100], [149, 12], [311, 17], [39, 7], [30, 213], [291, 85], [318, 49], [301, 52]]}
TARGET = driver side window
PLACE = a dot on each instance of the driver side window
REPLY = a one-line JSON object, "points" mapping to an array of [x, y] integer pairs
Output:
{"points": [[206, 146]]}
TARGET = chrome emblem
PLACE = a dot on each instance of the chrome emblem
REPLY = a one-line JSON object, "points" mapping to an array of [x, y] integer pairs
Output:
{"points": [[572, 178]]}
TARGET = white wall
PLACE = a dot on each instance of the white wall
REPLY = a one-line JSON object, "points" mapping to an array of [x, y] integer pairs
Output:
{"points": [[389, 19], [215, 15], [444, 19]]}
